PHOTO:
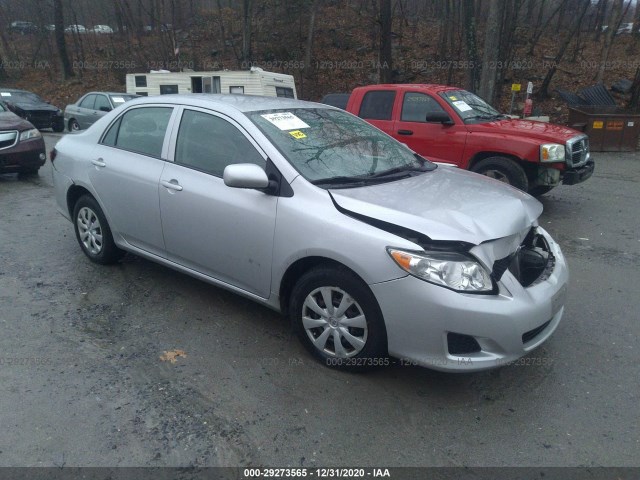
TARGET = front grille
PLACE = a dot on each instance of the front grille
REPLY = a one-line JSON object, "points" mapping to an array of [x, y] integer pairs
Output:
{"points": [[459, 344], [40, 118], [531, 334], [577, 151], [8, 139]]}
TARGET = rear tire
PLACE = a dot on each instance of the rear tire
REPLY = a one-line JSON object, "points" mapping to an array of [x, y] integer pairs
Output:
{"points": [[338, 319], [93, 232], [503, 169], [58, 127]]}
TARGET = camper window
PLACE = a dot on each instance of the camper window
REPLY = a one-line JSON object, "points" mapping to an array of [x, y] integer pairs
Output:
{"points": [[141, 80], [284, 92], [239, 90]]}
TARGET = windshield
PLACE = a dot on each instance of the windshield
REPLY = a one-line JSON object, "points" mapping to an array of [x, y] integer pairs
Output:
{"points": [[120, 99], [470, 107], [333, 147], [27, 97]]}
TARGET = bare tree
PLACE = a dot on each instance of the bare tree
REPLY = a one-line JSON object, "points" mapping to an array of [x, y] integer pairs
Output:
{"points": [[246, 29], [634, 103], [471, 44], [385, 66], [309, 47], [489, 72], [544, 89], [58, 20], [614, 20]]}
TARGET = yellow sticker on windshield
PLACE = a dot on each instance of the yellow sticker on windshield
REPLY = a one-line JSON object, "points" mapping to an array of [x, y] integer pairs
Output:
{"points": [[451, 97], [297, 134]]}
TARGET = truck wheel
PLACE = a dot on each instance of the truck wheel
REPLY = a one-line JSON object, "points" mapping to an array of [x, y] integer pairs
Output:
{"points": [[540, 190], [503, 169]]}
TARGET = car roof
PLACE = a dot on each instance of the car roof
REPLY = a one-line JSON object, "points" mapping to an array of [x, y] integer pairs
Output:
{"points": [[430, 87], [242, 103], [111, 93], [15, 90]]}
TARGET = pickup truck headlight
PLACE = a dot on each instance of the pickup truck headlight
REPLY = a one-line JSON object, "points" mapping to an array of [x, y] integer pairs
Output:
{"points": [[552, 152], [452, 270], [29, 134]]}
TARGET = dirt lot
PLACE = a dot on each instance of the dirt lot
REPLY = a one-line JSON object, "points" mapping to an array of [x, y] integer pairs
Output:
{"points": [[83, 382]]}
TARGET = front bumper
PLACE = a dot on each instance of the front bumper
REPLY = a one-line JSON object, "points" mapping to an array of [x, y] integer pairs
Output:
{"points": [[29, 154], [579, 174], [419, 317]]}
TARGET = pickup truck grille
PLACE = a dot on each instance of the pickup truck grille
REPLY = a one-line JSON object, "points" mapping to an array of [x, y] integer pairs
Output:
{"points": [[8, 139], [577, 151]]}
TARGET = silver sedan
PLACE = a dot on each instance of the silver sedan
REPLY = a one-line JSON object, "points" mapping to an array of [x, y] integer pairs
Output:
{"points": [[370, 249]]}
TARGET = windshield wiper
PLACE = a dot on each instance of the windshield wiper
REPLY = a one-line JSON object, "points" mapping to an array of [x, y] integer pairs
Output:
{"points": [[402, 169], [341, 180]]}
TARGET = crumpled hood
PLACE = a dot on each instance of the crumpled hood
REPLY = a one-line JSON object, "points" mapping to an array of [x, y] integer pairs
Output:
{"points": [[11, 121], [35, 107], [445, 204]]}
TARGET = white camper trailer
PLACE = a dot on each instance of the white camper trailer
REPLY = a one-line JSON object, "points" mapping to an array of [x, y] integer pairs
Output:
{"points": [[248, 82]]}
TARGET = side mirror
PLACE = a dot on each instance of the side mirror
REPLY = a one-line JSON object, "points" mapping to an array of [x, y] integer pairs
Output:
{"points": [[439, 117], [245, 175], [105, 109]]}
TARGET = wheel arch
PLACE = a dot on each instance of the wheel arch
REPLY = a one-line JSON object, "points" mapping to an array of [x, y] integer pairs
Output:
{"points": [[73, 194]]}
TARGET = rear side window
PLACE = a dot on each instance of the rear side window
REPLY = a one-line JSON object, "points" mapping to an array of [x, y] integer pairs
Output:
{"points": [[209, 143], [88, 102], [140, 130], [416, 106], [377, 105]]}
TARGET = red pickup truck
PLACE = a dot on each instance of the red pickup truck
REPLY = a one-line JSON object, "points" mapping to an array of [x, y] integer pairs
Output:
{"points": [[452, 126]]}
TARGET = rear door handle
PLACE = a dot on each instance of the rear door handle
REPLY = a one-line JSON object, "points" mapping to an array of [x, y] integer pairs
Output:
{"points": [[405, 132], [99, 162], [171, 184]]}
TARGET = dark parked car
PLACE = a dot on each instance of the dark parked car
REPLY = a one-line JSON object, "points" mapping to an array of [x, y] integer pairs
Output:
{"points": [[23, 28], [91, 107], [21, 145], [33, 108]]}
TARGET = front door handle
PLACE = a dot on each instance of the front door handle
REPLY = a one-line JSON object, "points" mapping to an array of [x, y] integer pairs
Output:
{"points": [[405, 132], [99, 162], [171, 184]]}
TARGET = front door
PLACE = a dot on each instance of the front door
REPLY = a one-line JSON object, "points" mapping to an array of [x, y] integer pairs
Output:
{"points": [[436, 141], [223, 232]]}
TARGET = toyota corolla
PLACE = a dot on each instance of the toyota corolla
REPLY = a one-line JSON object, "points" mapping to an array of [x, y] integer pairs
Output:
{"points": [[371, 250]]}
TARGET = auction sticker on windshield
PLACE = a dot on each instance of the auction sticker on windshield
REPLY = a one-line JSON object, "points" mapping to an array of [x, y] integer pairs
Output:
{"points": [[5, 94], [297, 134], [462, 106], [117, 99], [285, 120]]}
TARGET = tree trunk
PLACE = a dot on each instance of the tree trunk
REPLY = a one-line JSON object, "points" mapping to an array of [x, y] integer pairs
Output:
{"points": [[471, 44], [385, 66], [614, 19], [58, 20], [312, 27], [246, 30], [636, 22], [544, 89], [489, 72]]}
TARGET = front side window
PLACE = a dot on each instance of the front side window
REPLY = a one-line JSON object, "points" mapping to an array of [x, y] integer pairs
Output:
{"points": [[209, 143], [102, 103], [140, 130], [416, 106], [377, 105], [327, 145]]}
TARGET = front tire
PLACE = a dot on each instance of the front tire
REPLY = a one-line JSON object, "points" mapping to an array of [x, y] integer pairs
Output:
{"points": [[338, 319], [503, 169], [93, 232], [58, 127], [74, 126]]}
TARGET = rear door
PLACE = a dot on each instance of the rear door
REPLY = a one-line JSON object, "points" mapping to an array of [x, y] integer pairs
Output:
{"points": [[126, 168], [222, 232], [436, 141], [85, 111]]}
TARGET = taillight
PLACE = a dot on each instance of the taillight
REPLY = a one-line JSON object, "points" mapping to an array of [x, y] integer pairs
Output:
{"points": [[52, 154]]}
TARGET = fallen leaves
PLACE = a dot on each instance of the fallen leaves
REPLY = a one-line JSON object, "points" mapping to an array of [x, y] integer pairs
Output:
{"points": [[172, 355]]}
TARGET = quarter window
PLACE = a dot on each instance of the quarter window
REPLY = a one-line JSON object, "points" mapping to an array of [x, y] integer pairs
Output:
{"points": [[209, 143], [416, 106], [140, 130], [377, 105]]}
